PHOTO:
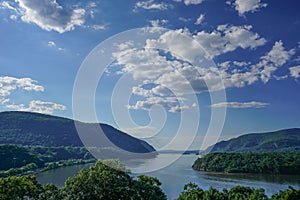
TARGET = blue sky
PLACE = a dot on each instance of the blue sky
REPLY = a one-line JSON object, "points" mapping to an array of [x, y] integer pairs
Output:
{"points": [[253, 44]]}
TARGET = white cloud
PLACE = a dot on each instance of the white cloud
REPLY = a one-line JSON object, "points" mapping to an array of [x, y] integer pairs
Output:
{"points": [[295, 71], [99, 27], [7, 5], [241, 64], [158, 23], [252, 104], [38, 106], [51, 44], [228, 38], [151, 5], [167, 77], [184, 19], [49, 15], [244, 6], [274, 59], [13, 17], [278, 55], [190, 2], [200, 19], [9, 84]]}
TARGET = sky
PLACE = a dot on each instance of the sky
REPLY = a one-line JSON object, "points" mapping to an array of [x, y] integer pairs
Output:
{"points": [[184, 73]]}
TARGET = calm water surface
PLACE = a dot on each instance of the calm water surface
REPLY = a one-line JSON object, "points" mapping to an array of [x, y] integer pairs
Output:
{"points": [[175, 176]]}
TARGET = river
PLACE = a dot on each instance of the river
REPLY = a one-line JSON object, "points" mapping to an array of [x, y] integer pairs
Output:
{"points": [[175, 176]]}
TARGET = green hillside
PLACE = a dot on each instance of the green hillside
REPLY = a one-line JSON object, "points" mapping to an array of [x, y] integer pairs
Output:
{"points": [[287, 140], [32, 129]]}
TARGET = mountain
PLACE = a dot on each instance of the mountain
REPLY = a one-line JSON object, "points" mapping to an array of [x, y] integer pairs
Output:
{"points": [[32, 129], [287, 140]]}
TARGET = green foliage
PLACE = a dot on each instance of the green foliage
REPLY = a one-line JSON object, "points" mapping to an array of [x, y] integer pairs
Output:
{"points": [[19, 160], [104, 182], [147, 188], [266, 163], [18, 188], [287, 140], [193, 192], [289, 194], [50, 192], [13, 156]]}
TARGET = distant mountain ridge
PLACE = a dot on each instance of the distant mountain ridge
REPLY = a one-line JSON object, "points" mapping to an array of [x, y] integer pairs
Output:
{"points": [[26, 128], [287, 140]]}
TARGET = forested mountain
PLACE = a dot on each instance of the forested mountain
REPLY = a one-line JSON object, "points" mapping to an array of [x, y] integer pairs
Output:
{"points": [[32, 129], [287, 140]]}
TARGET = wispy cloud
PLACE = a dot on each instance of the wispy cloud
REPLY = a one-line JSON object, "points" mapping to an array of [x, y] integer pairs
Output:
{"points": [[190, 2], [152, 5], [200, 19], [252, 104], [52, 44]]}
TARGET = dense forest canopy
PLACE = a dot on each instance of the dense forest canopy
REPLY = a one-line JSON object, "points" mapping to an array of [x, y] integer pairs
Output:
{"points": [[266, 163]]}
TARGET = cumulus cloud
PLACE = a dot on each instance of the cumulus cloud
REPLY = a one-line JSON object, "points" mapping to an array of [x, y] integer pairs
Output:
{"points": [[274, 59], [151, 5], [200, 19], [228, 38], [243, 6], [252, 104], [50, 15], [9, 84], [295, 71], [165, 75], [38, 106]]}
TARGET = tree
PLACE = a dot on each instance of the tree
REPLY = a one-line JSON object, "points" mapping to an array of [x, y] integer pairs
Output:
{"points": [[111, 181], [191, 192], [148, 188], [289, 194], [18, 188]]}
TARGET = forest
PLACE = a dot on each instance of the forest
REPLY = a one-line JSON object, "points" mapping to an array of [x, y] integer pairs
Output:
{"points": [[22, 160], [261, 163], [110, 180]]}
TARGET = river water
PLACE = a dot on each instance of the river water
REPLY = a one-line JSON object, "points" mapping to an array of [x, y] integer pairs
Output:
{"points": [[176, 175]]}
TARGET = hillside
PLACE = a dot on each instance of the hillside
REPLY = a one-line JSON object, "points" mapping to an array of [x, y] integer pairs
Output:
{"points": [[287, 140], [32, 129]]}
